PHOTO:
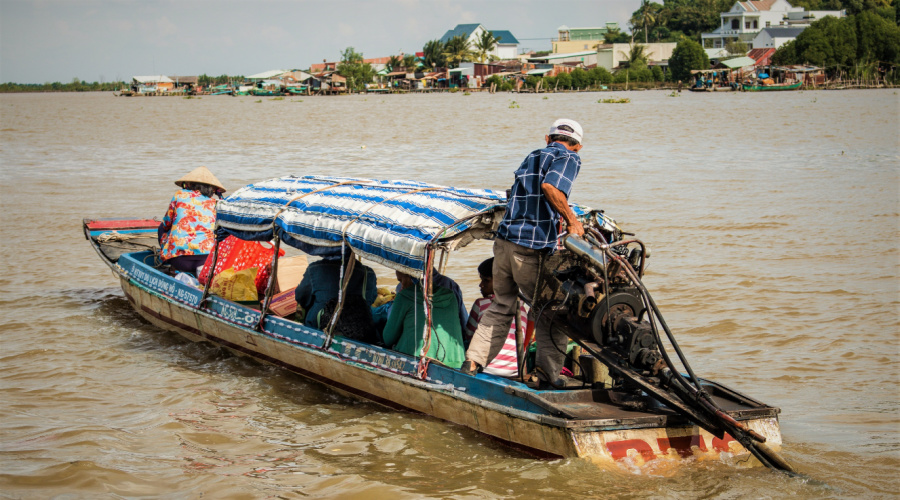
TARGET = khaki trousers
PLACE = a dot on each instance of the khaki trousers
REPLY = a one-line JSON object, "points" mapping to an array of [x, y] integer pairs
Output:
{"points": [[515, 269]]}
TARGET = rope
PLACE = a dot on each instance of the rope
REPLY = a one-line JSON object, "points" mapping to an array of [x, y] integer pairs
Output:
{"points": [[427, 290], [109, 239], [342, 293]]}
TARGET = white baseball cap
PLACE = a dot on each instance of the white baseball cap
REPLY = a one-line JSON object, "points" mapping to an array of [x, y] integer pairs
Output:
{"points": [[566, 127]]}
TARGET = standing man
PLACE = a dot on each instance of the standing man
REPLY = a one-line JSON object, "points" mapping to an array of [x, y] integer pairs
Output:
{"points": [[529, 230]]}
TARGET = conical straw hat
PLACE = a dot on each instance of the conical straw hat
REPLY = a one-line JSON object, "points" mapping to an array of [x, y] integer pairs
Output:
{"points": [[201, 175]]}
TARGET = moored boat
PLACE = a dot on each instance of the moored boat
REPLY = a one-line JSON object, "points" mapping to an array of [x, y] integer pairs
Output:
{"points": [[764, 87], [628, 402]]}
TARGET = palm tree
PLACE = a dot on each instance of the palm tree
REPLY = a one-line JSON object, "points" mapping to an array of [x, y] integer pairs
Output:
{"points": [[611, 35], [645, 17], [485, 44], [394, 62], [409, 62], [637, 54], [457, 50], [434, 54]]}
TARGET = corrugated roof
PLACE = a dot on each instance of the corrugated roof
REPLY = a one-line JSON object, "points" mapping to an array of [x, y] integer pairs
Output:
{"points": [[185, 79], [540, 71], [757, 5], [761, 56], [738, 62], [784, 32], [266, 74], [563, 56], [460, 29], [152, 79]]}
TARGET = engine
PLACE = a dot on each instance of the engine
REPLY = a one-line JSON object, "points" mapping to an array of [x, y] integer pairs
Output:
{"points": [[591, 297]]}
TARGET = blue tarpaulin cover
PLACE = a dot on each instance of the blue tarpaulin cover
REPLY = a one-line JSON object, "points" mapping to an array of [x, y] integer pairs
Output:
{"points": [[386, 221]]}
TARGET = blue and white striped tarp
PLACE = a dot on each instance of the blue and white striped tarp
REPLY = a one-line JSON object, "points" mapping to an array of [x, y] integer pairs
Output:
{"points": [[389, 222]]}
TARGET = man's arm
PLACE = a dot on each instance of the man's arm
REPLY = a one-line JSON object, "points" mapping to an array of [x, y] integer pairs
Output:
{"points": [[558, 201]]}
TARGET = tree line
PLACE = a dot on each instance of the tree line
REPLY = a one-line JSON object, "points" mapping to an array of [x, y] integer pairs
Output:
{"points": [[75, 85], [865, 45]]}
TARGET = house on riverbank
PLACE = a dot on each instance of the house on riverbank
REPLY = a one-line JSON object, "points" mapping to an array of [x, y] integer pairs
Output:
{"points": [[745, 20], [507, 47]]}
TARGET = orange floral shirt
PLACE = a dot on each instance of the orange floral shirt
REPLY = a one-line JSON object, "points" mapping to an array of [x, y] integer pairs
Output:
{"points": [[189, 224]]}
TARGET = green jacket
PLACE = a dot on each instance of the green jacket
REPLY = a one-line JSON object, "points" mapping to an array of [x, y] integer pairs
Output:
{"points": [[406, 323]]}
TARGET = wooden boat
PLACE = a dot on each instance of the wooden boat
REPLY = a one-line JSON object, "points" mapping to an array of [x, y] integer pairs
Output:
{"points": [[749, 87], [266, 92], [619, 409]]}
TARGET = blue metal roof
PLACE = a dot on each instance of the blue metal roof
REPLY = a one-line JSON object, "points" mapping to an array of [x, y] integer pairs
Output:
{"points": [[504, 36], [460, 29]]}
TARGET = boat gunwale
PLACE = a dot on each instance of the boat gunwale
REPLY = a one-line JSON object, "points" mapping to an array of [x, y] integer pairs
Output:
{"points": [[608, 424]]}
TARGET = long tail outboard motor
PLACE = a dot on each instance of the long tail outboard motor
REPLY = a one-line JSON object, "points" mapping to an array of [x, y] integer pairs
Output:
{"points": [[595, 288]]}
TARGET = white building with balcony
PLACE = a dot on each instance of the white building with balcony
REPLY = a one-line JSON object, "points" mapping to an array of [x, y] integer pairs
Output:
{"points": [[746, 19]]}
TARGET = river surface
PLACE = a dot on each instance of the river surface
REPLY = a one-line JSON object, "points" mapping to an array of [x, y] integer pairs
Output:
{"points": [[773, 219]]}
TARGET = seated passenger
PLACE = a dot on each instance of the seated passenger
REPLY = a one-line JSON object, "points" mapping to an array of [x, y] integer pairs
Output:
{"points": [[445, 282], [186, 232], [355, 321], [406, 323], [505, 364], [322, 281]]}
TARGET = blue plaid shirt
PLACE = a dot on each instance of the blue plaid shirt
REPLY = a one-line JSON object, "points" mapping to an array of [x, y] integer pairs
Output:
{"points": [[530, 221]]}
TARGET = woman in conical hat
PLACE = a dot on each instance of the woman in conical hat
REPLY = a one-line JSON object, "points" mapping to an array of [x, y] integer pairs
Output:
{"points": [[186, 233]]}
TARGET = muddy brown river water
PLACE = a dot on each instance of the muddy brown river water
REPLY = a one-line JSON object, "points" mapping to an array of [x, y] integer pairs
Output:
{"points": [[774, 221]]}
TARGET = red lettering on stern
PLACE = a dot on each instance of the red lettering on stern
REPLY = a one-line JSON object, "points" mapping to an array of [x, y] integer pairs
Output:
{"points": [[722, 444], [684, 445], [619, 449]]}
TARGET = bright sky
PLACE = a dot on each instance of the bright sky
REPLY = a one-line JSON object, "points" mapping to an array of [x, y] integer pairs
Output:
{"points": [[93, 40]]}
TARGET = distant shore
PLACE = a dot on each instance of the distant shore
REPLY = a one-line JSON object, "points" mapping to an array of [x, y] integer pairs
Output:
{"points": [[612, 87]]}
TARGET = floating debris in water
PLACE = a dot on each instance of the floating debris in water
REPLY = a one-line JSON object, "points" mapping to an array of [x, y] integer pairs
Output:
{"points": [[615, 100], [513, 104]]}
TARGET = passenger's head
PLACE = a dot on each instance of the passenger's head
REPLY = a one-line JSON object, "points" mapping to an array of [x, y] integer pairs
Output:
{"points": [[486, 273], [201, 179], [405, 280], [566, 132]]}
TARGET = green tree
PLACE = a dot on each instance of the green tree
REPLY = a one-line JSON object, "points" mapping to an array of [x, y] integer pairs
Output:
{"points": [[352, 67], [457, 50], [600, 75], [580, 78], [693, 17], [484, 45], [658, 74], [646, 17], [686, 56], [565, 80], [637, 54], [612, 35], [434, 54], [862, 43], [394, 63], [409, 62]]}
